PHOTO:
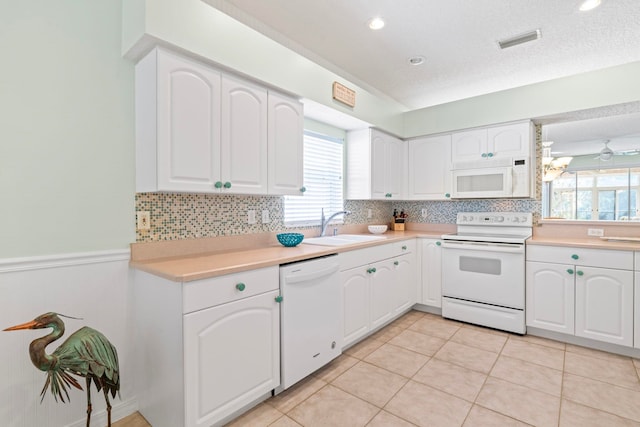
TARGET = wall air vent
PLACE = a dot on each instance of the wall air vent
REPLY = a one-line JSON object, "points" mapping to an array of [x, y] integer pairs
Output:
{"points": [[519, 39]]}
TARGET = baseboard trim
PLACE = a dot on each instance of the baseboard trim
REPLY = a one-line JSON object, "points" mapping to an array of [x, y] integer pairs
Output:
{"points": [[63, 260], [118, 412]]}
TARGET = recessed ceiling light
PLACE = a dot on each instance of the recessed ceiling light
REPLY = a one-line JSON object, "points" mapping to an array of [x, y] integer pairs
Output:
{"points": [[589, 4], [519, 39], [376, 23], [416, 60]]}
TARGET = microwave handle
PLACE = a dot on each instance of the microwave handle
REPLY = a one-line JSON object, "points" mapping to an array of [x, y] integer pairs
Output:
{"points": [[508, 177]]}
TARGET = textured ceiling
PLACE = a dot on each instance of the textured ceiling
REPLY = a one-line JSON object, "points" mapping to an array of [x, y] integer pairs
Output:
{"points": [[458, 38]]}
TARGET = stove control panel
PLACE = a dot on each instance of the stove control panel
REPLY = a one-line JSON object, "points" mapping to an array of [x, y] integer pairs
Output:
{"points": [[524, 219]]}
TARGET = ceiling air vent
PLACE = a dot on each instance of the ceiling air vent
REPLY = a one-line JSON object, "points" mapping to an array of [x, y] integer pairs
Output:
{"points": [[522, 38]]}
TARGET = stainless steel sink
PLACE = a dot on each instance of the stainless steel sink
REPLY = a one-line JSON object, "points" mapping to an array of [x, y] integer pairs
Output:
{"points": [[340, 240]]}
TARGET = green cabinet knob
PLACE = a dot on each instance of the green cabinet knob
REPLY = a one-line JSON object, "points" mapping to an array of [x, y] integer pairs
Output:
{"points": [[569, 270], [484, 154], [404, 247], [303, 189], [438, 243], [489, 154], [388, 195], [227, 184], [373, 270], [240, 287], [396, 262], [278, 298], [579, 273], [218, 184], [574, 256], [447, 195], [369, 270]]}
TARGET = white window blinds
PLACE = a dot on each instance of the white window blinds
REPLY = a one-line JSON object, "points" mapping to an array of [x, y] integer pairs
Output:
{"points": [[323, 170]]}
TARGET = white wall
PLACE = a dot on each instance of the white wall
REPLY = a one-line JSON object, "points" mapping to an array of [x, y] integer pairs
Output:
{"points": [[66, 191], [609, 86], [199, 29], [92, 286], [66, 128]]}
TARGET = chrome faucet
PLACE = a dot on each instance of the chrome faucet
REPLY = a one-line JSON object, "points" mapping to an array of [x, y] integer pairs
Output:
{"points": [[324, 222]]}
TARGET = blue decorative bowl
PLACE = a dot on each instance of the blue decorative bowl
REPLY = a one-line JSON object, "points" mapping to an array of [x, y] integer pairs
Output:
{"points": [[290, 239]]}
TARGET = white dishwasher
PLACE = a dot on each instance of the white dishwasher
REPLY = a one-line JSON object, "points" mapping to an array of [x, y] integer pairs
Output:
{"points": [[310, 317]]}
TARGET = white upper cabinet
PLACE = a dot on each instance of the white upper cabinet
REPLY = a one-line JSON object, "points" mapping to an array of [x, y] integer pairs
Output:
{"points": [[286, 119], [202, 131], [510, 140], [376, 165], [244, 137], [178, 124], [429, 168]]}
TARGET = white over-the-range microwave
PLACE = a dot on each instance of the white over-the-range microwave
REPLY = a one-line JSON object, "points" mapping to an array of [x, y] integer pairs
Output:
{"points": [[492, 178]]}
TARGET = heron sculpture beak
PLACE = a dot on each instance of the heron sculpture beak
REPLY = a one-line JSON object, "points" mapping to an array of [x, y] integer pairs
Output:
{"points": [[29, 325]]}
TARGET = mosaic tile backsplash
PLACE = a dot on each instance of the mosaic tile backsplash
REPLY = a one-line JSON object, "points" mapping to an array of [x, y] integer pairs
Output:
{"points": [[177, 216]]}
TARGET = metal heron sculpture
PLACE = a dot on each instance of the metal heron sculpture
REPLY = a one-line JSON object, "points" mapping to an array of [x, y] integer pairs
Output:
{"points": [[86, 353]]}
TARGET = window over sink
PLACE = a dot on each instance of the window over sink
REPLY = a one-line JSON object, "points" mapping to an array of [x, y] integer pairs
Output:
{"points": [[323, 181]]}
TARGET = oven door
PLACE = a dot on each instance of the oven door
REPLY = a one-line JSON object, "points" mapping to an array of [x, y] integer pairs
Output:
{"points": [[491, 273]]}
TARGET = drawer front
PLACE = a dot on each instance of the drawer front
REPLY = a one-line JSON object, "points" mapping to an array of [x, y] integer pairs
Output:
{"points": [[206, 293], [622, 260], [358, 257]]}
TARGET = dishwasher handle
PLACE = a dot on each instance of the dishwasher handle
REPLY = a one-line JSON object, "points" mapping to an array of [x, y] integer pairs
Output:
{"points": [[313, 275]]}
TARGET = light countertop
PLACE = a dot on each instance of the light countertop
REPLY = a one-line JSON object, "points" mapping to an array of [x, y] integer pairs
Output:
{"points": [[184, 268], [585, 242]]}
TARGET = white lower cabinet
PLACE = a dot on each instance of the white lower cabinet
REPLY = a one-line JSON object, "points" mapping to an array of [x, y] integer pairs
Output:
{"points": [[604, 305], [207, 348], [378, 289], [636, 299], [231, 357], [550, 297], [591, 297], [430, 272]]}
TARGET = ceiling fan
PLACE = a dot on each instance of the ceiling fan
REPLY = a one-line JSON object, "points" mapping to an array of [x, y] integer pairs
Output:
{"points": [[607, 153]]}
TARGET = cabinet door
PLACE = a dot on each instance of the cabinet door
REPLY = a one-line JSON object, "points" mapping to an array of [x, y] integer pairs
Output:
{"points": [[636, 296], [469, 145], [394, 168], [285, 145], [387, 166], [604, 305], [379, 166], [550, 296], [404, 292], [383, 292], [510, 140], [355, 298], [243, 137], [231, 357], [188, 125], [431, 272], [430, 168]]}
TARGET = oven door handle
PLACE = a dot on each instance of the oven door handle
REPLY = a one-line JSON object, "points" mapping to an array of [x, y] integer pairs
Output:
{"points": [[483, 246]]}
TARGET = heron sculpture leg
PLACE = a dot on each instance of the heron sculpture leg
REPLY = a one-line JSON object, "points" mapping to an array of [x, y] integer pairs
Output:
{"points": [[106, 398], [88, 401]]}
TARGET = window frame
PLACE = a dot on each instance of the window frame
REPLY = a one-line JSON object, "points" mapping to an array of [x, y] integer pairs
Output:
{"points": [[334, 205]]}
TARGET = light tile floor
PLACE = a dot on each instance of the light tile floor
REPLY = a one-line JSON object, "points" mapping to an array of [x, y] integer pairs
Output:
{"points": [[423, 370]]}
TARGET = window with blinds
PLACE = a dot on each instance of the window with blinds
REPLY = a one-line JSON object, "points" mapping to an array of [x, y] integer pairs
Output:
{"points": [[323, 171]]}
